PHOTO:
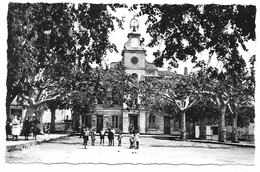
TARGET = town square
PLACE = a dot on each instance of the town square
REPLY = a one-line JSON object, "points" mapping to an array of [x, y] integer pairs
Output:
{"points": [[131, 84]]}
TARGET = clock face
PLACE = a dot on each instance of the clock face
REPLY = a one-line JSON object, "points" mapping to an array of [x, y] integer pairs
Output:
{"points": [[134, 60]]}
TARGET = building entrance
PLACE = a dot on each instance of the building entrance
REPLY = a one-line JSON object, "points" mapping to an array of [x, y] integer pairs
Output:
{"points": [[133, 121], [167, 129], [99, 123]]}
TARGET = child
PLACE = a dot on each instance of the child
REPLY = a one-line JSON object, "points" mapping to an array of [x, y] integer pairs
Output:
{"points": [[93, 137], [81, 131], [113, 135], [131, 139], [85, 137], [110, 137], [137, 138], [102, 136], [119, 138]]}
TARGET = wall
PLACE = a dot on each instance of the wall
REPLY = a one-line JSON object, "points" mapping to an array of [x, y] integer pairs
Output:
{"points": [[141, 60], [159, 123], [60, 115], [107, 116], [245, 133]]}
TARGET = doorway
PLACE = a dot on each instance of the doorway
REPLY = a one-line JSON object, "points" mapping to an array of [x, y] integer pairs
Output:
{"points": [[133, 122], [167, 128], [99, 123]]}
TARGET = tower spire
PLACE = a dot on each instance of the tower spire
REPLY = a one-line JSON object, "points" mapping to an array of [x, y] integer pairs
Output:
{"points": [[134, 24]]}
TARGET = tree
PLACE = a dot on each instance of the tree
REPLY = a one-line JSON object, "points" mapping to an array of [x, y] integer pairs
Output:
{"points": [[178, 90], [43, 43], [228, 94], [203, 111], [242, 99], [187, 30], [115, 87], [46, 35]]}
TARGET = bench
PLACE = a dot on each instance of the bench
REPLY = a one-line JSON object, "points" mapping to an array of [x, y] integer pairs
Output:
{"points": [[209, 137]]}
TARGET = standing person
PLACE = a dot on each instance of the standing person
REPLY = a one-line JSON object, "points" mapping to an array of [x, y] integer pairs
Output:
{"points": [[27, 128], [131, 139], [137, 138], [85, 137], [36, 128], [81, 131], [119, 138], [113, 135], [92, 134], [110, 135], [102, 136], [8, 128], [15, 128]]}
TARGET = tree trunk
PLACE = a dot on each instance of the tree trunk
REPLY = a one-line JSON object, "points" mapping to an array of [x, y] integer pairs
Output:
{"points": [[194, 128], [8, 104], [52, 129], [222, 126], [30, 111], [75, 120], [39, 115], [202, 126], [234, 138], [183, 125]]}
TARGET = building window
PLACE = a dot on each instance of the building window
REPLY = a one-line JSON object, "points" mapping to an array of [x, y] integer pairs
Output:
{"points": [[115, 121], [151, 121]]}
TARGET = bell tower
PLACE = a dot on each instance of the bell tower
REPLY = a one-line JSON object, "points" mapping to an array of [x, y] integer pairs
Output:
{"points": [[133, 53]]}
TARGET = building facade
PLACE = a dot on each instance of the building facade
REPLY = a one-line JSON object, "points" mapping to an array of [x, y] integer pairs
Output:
{"points": [[121, 117]]}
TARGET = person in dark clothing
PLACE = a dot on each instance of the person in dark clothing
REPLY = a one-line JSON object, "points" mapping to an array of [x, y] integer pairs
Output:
{"points": [[131, 140], [119, 138], [36, 128], [110, 137], [93, 138], [27, 128], [81, 131], [8, 128]]}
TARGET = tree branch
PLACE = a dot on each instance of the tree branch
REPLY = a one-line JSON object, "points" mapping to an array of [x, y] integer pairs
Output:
{"points": [[47, 100], [25, 97], [230, 108], [166, 97], [191, 104], [178, 103], [39, 94]]}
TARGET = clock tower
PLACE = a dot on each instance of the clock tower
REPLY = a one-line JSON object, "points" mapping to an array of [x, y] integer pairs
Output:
{"points": [[134, 53]]}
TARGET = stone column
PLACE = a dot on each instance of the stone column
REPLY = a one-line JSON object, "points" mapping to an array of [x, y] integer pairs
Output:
{"points": [[142, 122], [125, 122]]}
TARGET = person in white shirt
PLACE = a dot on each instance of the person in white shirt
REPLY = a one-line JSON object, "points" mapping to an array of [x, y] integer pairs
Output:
{"points": [[137, 138], [113, 135], [102, 136], [16, 129]]}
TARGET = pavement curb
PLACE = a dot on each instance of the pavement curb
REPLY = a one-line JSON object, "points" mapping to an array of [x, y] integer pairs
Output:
{"points": [[10, 148], [224, 143]]}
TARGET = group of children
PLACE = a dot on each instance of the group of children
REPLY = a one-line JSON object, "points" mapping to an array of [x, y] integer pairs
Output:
{"points": [[86, 133], [134, 139]]}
